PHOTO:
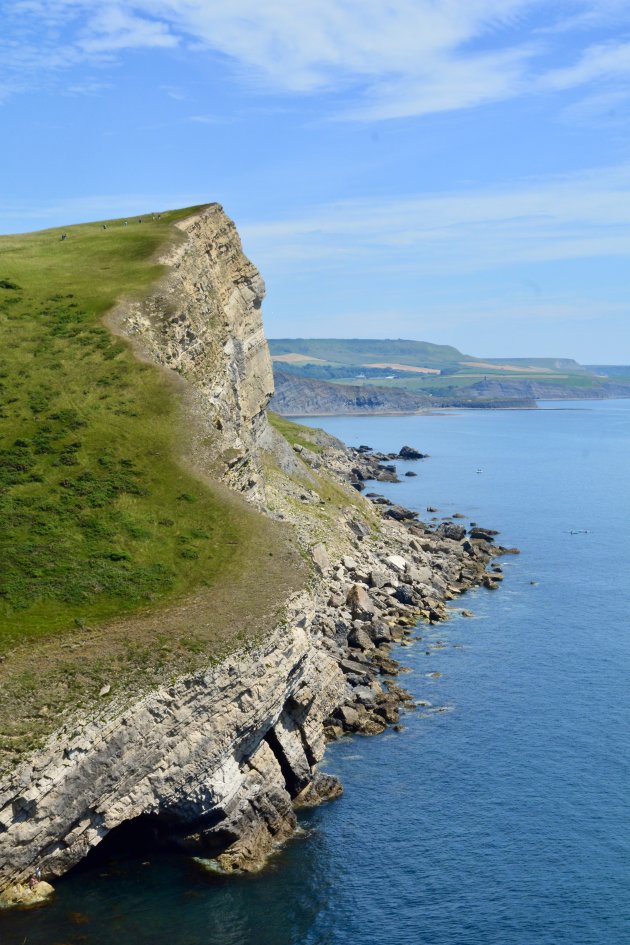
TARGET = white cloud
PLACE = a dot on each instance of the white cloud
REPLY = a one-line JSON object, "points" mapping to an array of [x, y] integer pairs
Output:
{"points": [[392, 58], [113, 29], [584, 215], [445, 86], [603, 61]]}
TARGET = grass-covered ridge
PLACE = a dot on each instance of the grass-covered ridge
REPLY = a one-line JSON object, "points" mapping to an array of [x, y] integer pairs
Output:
{"points": [[98, 517]]}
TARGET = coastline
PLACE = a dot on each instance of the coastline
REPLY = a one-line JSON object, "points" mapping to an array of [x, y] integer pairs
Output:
{"points": [[215, 756], [393, 573]]}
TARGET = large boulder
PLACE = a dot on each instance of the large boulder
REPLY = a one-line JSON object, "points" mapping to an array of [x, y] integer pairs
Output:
{"points": [[408, 452], [452, 531], [404, 594], [397, 563], [482, 534], [360, 640], [400, 514], [21, 894], [360, 603]]}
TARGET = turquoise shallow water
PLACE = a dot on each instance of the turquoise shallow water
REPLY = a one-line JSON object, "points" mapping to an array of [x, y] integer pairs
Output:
{"points": [[503, 821]]}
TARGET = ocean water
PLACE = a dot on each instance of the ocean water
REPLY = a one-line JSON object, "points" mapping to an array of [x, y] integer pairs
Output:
{"points": [[502, 820]]}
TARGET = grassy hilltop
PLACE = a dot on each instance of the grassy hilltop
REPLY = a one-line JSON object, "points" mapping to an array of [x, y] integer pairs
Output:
{"points": [[100, 516]]}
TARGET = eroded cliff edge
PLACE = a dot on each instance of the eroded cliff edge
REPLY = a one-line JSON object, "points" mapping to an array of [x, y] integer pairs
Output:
{"points": [[222, 756]]}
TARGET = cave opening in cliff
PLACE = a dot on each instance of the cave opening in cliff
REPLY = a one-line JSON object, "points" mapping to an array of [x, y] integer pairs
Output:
{"points": [[136, 838], [147, 835]]}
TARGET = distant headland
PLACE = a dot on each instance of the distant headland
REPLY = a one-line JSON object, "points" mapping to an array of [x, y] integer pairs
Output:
{"points": [[331, 375]]}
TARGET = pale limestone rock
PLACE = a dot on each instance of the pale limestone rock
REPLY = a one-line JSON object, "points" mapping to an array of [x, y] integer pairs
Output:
{"points": [[235, 745], [203, 321], [21, 894], [360, 602], [320, 558], [397, 563]]}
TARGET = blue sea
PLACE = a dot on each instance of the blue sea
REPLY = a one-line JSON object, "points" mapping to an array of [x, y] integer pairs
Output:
{"points": [[500, 821]]}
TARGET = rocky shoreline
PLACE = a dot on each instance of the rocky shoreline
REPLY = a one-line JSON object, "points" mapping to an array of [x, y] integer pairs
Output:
{"points": [[328, 673], [373, 599]]}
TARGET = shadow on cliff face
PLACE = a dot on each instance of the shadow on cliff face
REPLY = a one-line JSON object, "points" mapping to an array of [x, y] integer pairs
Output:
{"points": [[145, 836], [132, 839]]}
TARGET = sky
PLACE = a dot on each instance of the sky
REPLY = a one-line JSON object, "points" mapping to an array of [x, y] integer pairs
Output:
{"points": [[453, 171]]}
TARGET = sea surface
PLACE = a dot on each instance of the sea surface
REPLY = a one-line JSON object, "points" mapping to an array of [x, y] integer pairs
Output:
{"points": [[501, 821]]}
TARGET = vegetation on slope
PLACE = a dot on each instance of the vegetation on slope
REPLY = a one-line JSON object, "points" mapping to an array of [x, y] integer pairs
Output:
{"points": [[99, 518], [296, 434]]}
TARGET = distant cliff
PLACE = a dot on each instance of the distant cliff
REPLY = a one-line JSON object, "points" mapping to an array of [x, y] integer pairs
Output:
{"points": [[376, 372], [295, 396]]}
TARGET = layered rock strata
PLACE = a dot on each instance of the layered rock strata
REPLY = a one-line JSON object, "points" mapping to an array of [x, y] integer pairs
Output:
{"points": [[204, 322]]}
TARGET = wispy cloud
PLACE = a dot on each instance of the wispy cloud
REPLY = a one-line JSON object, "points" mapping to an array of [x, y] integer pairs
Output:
{"points": [[576, 216], [609, 60], [388, 59], [113, 29]]}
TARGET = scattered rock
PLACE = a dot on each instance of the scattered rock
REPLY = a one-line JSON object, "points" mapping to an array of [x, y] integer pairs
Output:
{"points": [[348, 716], [323, 787], [360, 639], [400, 514], [359, 528], [451, 531], [377, 579], [404, 594], [482, 534]]}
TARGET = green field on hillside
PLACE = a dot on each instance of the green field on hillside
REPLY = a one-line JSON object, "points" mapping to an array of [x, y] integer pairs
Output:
{"points": [[98, 517]]}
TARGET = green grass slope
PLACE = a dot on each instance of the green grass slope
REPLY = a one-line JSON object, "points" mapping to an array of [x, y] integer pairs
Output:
{"points": [[98, 516]]}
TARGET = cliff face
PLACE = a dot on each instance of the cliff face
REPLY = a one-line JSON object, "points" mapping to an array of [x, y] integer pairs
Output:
{"points": [[301, 396], [206, 751], [204, 322]]}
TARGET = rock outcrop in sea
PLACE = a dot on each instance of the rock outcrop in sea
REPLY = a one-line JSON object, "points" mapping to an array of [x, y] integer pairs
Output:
{"points": [[221, 759]]}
